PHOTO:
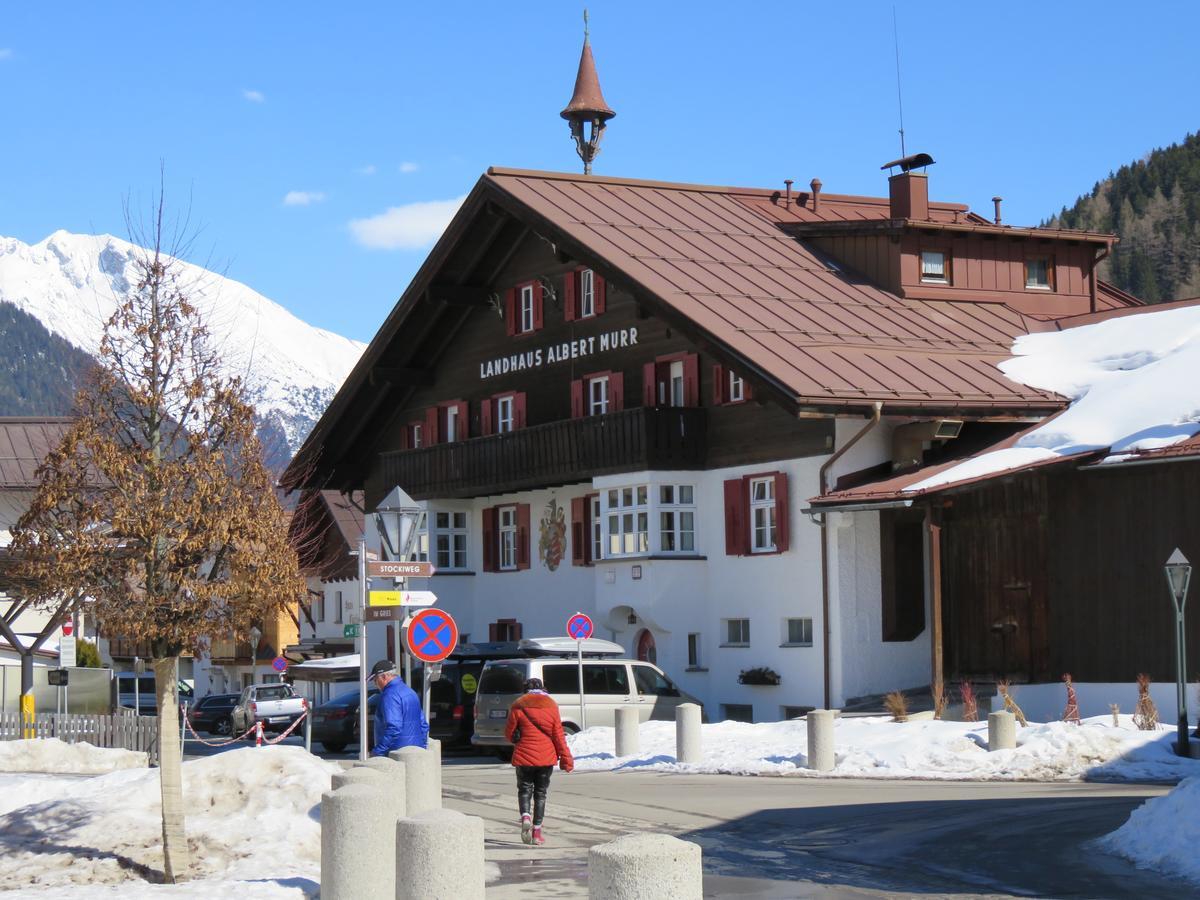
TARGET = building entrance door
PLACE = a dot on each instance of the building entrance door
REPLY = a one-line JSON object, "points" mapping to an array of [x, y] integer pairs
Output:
{"points": [[646, 650]]}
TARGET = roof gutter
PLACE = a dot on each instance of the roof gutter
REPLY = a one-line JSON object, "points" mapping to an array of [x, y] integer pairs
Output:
{"points": [[822, 475]]}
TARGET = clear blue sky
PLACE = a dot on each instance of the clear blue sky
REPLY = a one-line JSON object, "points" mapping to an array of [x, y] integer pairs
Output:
{"points": [[369, 107]]}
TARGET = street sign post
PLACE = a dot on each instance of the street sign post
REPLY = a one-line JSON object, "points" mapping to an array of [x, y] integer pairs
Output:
{"points": [[279, 664], [432, 635], [394, 569], [66, 651], [384, 613], [580, 627]]}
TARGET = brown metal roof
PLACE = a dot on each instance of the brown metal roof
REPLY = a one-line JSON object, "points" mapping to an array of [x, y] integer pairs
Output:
{"points": [[24, 443], [827, 336]]}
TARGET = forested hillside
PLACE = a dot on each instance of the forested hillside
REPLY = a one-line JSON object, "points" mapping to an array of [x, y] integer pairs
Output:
{"points": [[1154, 207], [39, 371]]}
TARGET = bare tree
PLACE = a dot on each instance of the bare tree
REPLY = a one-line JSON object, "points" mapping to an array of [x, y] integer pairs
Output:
{"points": [[157, 505]]}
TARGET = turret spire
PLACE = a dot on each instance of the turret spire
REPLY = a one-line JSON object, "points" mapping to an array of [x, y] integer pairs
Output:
{"points": [[587, 105]]}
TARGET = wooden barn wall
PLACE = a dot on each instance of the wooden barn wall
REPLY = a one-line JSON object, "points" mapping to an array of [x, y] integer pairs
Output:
{"points": [[1076, 557]]}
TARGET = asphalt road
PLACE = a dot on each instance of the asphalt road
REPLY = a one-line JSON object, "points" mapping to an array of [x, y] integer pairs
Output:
{"points": [[781, 838]]}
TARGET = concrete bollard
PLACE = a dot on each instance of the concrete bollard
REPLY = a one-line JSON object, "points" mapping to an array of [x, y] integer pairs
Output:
{"points": [[687, 733], [439, 856], [434, 746], [357, 830], [645, 867], [393, 780], [420, 779], [1002, 731], [627, 732], [819, 723]]}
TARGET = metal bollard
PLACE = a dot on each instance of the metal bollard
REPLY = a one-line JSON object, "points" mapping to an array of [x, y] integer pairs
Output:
{"points": [[258, 734], [645, 867], [420, 779], [388, 778], [819, 724], [687, 733], [308, 731], [439, 856], [1002, 731], [357, 831], [627, 732]]}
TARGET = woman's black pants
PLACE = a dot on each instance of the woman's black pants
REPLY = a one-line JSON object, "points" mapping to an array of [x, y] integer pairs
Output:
{"points": [[533, 782]]}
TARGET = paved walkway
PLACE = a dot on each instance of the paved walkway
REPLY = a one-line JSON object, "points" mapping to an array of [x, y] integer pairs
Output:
{"points": [[784, 838]]}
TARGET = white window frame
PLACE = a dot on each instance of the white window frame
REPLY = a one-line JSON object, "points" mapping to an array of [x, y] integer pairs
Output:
{"points": [[455, 534], [452, 423], [417, 434], [676, 519], [743, 636], [675, 389], [736, 391], [598, 400], [764, 537], [1039, 286], [787, 632], [597, 536], [525, 307], [695, 659], [587, 294], [506, 521], [627, 521], [933, 278], [506, 412]]}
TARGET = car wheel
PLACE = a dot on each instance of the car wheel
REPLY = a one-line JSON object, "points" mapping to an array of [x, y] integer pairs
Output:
{"points": [[223, 726], [570, 728], [333, 746]]}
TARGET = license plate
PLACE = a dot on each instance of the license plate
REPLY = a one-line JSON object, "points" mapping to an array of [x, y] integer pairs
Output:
{"points": [[498, 714]]}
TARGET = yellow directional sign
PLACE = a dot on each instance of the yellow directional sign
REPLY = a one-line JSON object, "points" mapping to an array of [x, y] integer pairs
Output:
{"points": [[384, 598]]}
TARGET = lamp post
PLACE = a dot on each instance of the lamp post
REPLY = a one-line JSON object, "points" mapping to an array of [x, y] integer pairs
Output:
{"points": [[255, 635], [1179, 573]]}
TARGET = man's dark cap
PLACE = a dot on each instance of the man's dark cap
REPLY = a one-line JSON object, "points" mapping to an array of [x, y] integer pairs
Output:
{"points": [[534, 684], [382, 667]]}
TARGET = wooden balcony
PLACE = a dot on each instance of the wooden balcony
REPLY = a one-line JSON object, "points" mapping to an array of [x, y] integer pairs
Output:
{"points": [[561, 452]]}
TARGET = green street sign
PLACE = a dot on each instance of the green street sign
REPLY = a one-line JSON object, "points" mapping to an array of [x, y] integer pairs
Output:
{"points": [[351, 631]]}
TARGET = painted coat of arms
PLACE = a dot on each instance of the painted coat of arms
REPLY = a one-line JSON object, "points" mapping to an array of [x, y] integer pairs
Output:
{"points": [[552, 542]]}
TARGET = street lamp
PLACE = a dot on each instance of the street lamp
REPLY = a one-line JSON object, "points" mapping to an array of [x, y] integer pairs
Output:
{"points": [[400, 521], [255, 635], [1179, 573]]}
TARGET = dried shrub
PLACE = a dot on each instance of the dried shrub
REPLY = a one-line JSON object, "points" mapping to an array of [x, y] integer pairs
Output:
{"points": [[897, 705], [937, 691], [1010, 704], [1145, 714], [969, 703], [1071, 713]]}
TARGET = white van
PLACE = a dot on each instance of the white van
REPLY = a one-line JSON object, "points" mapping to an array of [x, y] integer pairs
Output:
{"points": [[608, 684]]}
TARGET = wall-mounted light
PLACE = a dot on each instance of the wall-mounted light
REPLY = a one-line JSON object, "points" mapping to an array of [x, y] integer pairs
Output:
{"points": [[632, 620]]}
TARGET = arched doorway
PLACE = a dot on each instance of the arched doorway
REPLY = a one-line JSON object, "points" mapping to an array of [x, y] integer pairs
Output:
{"points": [[646, 650]]}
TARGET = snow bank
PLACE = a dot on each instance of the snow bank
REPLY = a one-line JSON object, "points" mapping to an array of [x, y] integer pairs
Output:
{"points": [[876, 747], [1132, 384], [252, 816], [1162, 834], [55, 756]]}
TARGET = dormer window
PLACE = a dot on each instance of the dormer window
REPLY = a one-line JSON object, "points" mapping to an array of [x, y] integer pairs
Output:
{"points": [[935, 267], [1039, 273]]}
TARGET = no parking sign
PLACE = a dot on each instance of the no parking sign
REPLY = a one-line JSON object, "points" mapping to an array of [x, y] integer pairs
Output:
{"points": [[432, 635]]}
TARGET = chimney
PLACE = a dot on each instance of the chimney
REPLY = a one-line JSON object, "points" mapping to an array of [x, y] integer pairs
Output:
{"points": [[996, 200], [815, 186], [788, 201], [909, 195]]}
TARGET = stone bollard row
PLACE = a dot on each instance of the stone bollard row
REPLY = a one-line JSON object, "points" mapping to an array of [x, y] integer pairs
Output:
{"points": [[627, 732], [645, 867], [358, 830], [1002, 731], [422, 778], [439, 856], [434, 746], [687, 733], [819, 724], [393, 780]]}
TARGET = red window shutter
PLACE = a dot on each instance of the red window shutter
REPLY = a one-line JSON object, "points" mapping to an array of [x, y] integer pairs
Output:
{"points": [[616, 391], [489, 539], [720, 381], [578, 532], [518, 630], [518, 410], [782, 529], [537, 306], [406, 437], [649, 384], [577, 398], [464, 420], [570, 280], [433, 429], [493, 628], [510, 311], [522, 535], [598, 282], [485, 416], [691, 380], [747, 391], [737, 526]]}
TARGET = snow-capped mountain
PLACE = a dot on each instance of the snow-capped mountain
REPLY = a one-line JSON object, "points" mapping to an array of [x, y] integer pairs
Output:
{"points": [[72, 282]]}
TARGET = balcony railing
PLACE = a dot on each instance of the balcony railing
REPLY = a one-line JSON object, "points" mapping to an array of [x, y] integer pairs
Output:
{"points": [[555, 453]]}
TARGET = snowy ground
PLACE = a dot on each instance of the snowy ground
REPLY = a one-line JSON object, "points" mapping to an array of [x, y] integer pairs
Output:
{"points": [[58, 757], [1162, 834]]}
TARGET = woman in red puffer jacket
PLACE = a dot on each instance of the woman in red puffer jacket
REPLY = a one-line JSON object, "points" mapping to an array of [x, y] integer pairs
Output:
{"points": [[535, 730]]}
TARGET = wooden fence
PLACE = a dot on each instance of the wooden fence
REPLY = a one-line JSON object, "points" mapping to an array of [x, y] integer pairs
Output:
{"points": [[123, 730]]}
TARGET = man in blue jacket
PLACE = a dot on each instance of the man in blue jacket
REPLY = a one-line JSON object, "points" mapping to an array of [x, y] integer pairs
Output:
{"points": [[398, 718]]}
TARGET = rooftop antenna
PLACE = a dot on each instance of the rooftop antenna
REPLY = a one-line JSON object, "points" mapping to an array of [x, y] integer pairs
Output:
{"points": [[899, 93]]}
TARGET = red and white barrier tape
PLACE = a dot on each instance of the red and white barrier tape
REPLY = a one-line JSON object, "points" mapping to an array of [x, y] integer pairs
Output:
{"points": [[255, 729], [218, 743], [290, 729]]}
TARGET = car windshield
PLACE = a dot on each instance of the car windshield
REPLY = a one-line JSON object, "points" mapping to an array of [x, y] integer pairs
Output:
{"points": [[503, 679], [278, 692]]}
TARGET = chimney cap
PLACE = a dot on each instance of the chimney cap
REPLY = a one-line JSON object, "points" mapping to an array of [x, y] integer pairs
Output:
{"points": [[908, 163], [587, 102]]}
